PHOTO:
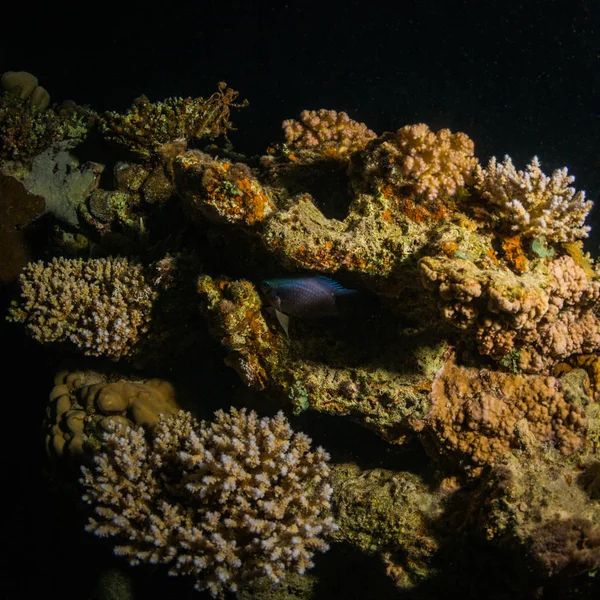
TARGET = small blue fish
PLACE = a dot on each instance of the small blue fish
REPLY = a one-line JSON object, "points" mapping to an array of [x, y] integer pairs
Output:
{"points": [[310, 297]]}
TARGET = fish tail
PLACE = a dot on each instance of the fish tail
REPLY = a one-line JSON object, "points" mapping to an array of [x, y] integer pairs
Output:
{"points": [[337, 288]]}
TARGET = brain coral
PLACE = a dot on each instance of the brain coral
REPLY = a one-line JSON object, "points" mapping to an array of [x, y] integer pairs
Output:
{"points": [[225, 502]]}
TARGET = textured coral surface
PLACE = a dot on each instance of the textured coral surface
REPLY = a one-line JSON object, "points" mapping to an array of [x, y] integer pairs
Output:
{"points": [[458, 389]]}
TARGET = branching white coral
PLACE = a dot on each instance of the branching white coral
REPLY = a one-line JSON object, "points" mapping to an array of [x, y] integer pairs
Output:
{"points": [[533, 204], [224, 502]]}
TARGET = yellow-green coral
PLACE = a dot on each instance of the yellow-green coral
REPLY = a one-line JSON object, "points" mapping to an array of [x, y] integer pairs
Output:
{"points": [[147, 126]]}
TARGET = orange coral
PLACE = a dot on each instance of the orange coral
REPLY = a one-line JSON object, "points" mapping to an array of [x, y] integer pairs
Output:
{"points": [[476, 413], [220, 190], [513, 252]]}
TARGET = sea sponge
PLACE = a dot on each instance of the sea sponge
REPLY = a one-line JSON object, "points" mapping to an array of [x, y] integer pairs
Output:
{"points": [[225, 502]]}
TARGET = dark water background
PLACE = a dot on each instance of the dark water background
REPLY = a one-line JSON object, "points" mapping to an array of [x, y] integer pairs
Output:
{"points": [[521, 78]]}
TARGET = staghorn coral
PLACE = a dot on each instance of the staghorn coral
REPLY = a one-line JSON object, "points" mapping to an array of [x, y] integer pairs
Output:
{"points": [[533, 204], [148, 126], [543, 316], [83, 403], [326, 131], [477, 413], [224, 502], [101, 305]]}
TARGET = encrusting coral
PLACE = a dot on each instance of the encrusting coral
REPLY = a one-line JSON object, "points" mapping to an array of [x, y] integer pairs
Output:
{"points": [[225, 502], [477, 414], [101, 305], [388, 513], [541, 317], [534, 502], [389, 396]]}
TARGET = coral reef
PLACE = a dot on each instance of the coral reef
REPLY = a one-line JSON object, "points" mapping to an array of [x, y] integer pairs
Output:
{"points": [[327, 131], [390, 397], [221, 191], [472, 344], [225, 502], [532, 204], [101, 305], [19, 209], [83, 403], [57, 176], [415, 161], [29, 126], [147, 126]]}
